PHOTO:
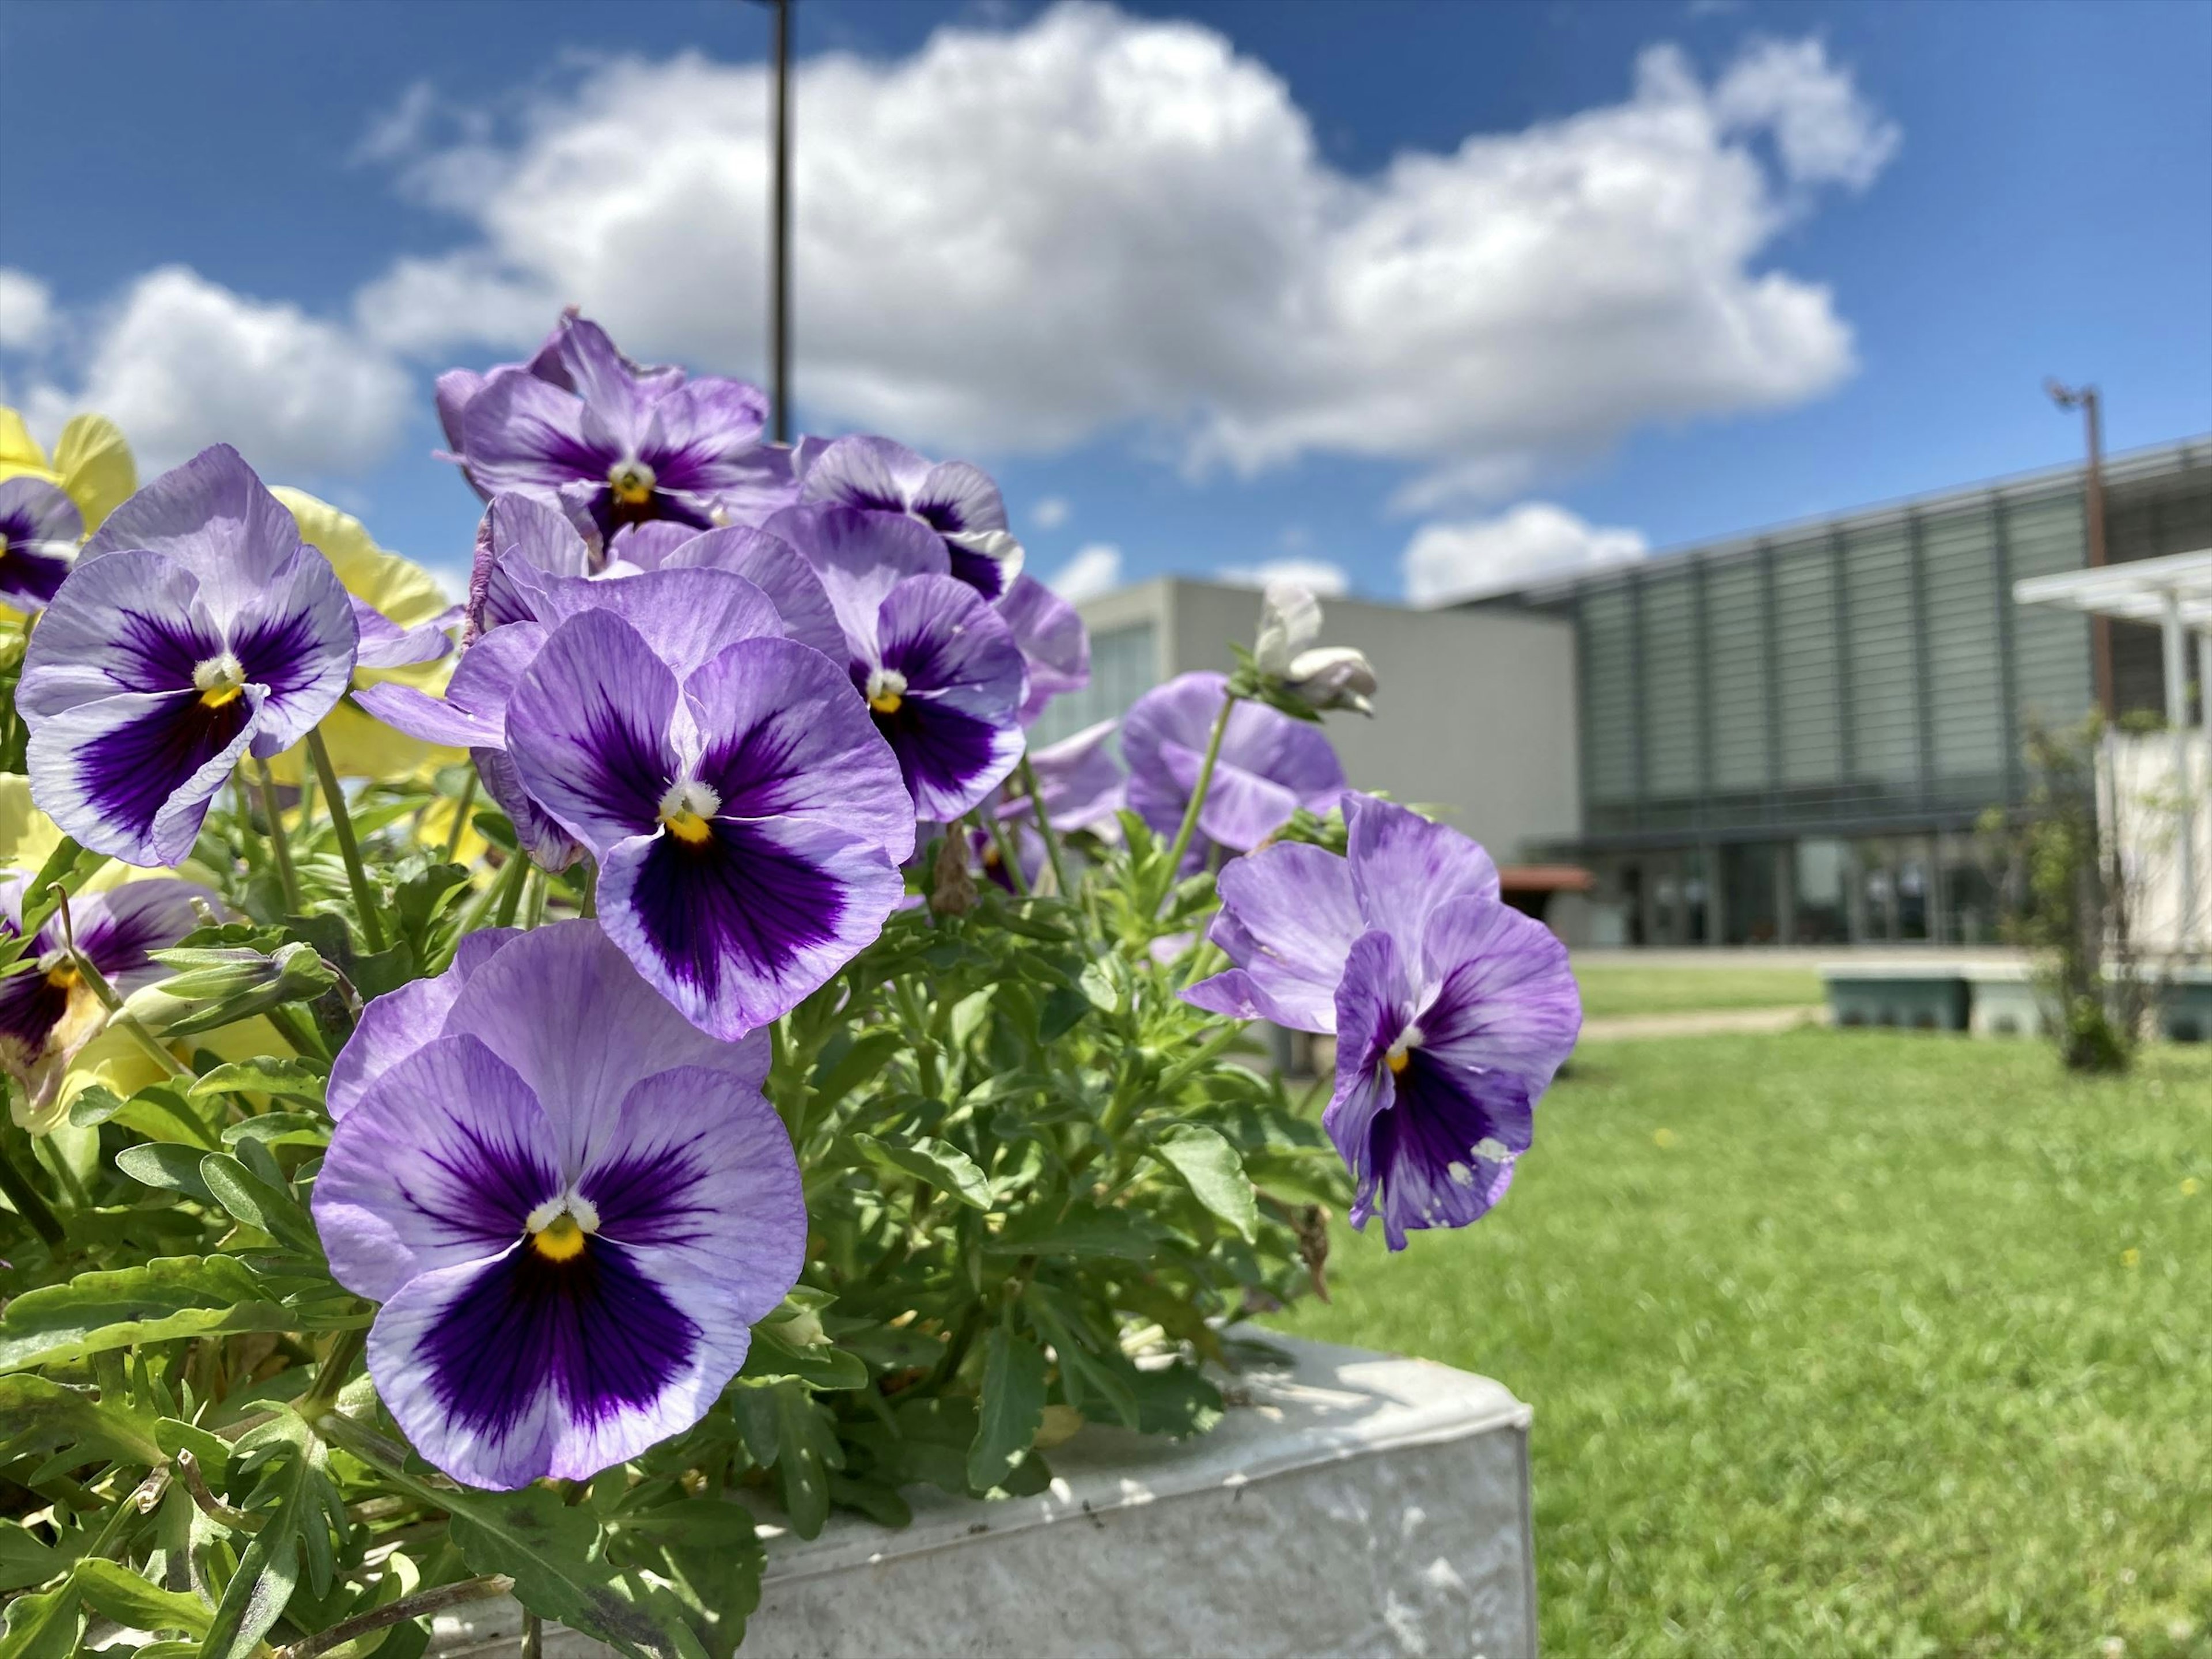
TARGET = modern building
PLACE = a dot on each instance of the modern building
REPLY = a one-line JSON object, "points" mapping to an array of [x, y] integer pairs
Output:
{"points": [[1477, 718], [1788, 736], [1781, 737]]}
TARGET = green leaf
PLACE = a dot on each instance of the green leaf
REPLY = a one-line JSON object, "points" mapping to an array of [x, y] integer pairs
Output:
{"points": [[263, 1075], [1085, 1230], [549, 1548], [173, 1168], [44, 1626], [259, 1204], [710, 1552], [880, 1502], [117, 1592], [820, 1364], [280, 1129], [268, 1569], [1063, 1011], [1176, 1402], [1215, 1175], [1011, 1408], [167, 1298], [858, 1065], [160, 1112], [41, 1419], [174, 1435], [939, 1163]]}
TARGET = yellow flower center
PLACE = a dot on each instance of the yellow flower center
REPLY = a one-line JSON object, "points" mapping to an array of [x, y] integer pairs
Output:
{"points": [[220, 680], [1397, 1059], [558, 1226], [687, 809], [886, 690], [64, 976], [1400, 1054], [632, 483]]}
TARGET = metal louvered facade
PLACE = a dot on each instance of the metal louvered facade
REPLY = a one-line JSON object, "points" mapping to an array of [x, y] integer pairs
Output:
{"points": [[1785, 737]]}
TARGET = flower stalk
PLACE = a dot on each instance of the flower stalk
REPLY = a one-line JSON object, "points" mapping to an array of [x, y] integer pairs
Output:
{"points": [[280, 846], [1189, 828], [26, 1197], [364, 899], [1044, 827]]}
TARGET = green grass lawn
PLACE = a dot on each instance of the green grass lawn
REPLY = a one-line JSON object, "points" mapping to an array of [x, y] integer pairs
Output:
{"points": [[1610, 988], [1845, 1343]]}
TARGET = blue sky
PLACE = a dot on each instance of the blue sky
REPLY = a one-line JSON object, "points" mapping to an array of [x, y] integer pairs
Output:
{"points": [[1213, 285]]}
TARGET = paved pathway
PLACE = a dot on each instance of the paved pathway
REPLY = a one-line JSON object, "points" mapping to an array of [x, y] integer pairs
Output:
{"points": [[1705, 1022]]}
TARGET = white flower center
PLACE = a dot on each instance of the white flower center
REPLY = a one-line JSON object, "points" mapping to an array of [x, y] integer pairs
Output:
{"points": [[1401, 1052], [687, 808], [558, 1225], [632, 483], [886, 690], [219, 680]]}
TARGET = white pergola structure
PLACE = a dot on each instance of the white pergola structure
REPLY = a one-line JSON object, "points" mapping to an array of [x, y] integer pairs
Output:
{"points": [[2173, 594]]}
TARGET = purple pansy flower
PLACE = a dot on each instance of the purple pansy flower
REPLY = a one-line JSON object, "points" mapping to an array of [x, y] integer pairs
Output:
{"points": [[573, 1207], [1451, 1009], [747, 818], [584, 425], [1082, 784], [49, 1013], [1055, 643], [40, 529], [1270, 764], [958, 501], [937, 666], [195, 624]]}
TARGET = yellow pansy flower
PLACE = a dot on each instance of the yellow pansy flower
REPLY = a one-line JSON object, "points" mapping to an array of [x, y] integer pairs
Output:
{"points": [[92, 462]]}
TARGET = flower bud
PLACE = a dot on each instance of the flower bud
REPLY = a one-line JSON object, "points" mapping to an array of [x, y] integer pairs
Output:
{"points": [[221, 986]]}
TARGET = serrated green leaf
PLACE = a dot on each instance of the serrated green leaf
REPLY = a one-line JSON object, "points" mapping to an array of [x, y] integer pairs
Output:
{"points": [[263, 1075], [268, 1568], [115, 1592], [174, 1435], [44, 1626], [167, 1298], [939, 1163], [40, 1419], [1011, 1409], [1214, 1173]]}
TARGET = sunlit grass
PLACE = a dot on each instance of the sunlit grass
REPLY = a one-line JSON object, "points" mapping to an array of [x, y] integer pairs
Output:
{"points": [[1845, 1343], [1610, 988]]}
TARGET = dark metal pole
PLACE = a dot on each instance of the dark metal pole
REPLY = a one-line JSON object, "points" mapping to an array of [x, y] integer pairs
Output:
{"points": [[2100, 628], [779, 324]]}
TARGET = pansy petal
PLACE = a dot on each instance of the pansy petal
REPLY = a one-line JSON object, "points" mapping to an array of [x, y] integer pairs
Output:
{"points": [[868, 472], [587, 729], [1289, 919], [115, 929], [957, 497], [684, 616], [296, 638], [131, 621], [1403, 866], [951, 761], [453, 391], [705, 434], [705, 1190], [1443, 1152], [948, 643], [506, 1371], [1504, 999], [787, 737], [93, 461], [1372, 1006], [1053, 639], [542, 839], [40, 529], [520, 434], [521, 540], [737, 930], [213, 516], [647, 546], [397, 1023], [1081, 783], [774, 567], [473, 712], [581, 1070], [440, 1162], [859, 556], [385, 644], [131, 776]]}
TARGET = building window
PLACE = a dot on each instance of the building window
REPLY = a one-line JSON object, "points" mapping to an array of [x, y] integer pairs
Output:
{"points": [[1124, 666]]}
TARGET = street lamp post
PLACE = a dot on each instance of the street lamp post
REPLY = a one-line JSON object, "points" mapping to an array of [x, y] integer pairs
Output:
{"points": [[2100, 635], [779, 231]]}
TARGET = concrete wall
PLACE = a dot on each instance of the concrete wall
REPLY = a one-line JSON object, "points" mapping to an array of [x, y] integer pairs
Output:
{"points": [[1476, 716]]}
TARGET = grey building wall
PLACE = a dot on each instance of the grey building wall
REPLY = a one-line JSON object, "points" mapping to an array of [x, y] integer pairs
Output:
{"points": [[1476, 715]]}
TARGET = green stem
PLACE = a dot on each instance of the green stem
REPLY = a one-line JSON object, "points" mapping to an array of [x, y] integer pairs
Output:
{"points": [[1212, 1046], [27, 1202], [96, 983], [588, 905], [1008, 855], [534, 901], [372, 930], [331, 1376], [1198, 794], [242, 808], [1044, 827], [286, 877], [512, 881], [461, 818]]}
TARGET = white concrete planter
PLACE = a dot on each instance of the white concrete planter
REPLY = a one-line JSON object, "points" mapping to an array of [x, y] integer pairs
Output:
{"points": [[1356, 1504]]}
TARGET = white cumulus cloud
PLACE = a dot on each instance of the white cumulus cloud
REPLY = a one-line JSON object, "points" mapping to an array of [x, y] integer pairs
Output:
{"points": [[1326, 580], [1095, 569], [1535, 539], [181, 362], [26, 310], [1051, 512], [1016, 239]]}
